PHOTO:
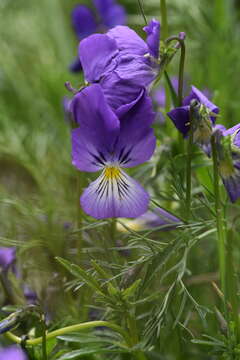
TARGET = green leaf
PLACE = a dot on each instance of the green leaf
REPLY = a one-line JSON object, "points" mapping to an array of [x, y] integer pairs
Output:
{"points": [[130, 291]]}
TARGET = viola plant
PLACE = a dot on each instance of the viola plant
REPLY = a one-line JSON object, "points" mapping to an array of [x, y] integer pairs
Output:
{"points": [[103, 142], [85, 23]]}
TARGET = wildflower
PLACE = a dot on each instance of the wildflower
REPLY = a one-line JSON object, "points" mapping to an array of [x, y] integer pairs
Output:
{"points": [[122, 61], [7, 258], [203, 119], [109, 141], [84, 21], [157, 217], [228, 151], [13, 352]]}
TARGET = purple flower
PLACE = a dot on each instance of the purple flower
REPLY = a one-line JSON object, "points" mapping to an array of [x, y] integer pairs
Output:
{"points": [[228, 146], [12, 353], [203, 118], [122, 61], [84, 21], [157, 217], [108, 142], [7, 257]]}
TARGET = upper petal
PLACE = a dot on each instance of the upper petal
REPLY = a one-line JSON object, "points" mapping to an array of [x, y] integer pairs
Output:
{"points": [[111, 13], [128, 41], [153, 37], [96, 53], [198, 95], [83, 21], [99, 128]]}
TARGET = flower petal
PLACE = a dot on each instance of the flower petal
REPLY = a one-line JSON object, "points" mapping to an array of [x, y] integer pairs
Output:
{"points": [[111, 13], [7, 257], [128, 41], [153, 37], [180, 118], [119, 196], [232, 183], [99, 129], [198, 95], [96, 54], [76, 65], [83, 21], [136, 142], [13, 352]]}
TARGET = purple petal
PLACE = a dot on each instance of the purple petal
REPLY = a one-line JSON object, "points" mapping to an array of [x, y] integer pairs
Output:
{"points": [[127, 79], [180, 118], [232, 130], [136, 142], [159, 96], [12, 353], [99, 128], [83, 21], [153, 37], [116, 196], [198, 95], [111, 13], [96, 53], [156, 218], [232, 183], [128, 41], [76, 65], [7, 257]]}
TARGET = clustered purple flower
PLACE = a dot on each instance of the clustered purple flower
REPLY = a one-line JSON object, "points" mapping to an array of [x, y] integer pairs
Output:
{"points": [[114, 114], [202, 119]]}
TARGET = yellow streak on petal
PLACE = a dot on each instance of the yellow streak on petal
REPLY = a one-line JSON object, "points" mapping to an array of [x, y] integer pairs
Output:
{"points": [[112, 172]]}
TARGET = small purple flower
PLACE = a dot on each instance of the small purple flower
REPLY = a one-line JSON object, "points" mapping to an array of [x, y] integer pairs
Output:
{"points": [[13, 352], [84, 21], [228, 146], [122, 61], [7, 257], [108, 142], [157, 217], [30, 295], [203, 118]]}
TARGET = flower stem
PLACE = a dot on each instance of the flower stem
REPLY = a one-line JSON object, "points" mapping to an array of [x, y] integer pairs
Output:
{"points": [[44, 341], [164, 22], [219, 219], [142, 11], [132, 326], [189, 169], [69, 329]]}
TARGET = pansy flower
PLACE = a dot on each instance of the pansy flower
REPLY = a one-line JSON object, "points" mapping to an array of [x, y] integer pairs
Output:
{"points": [[13, 352], [121, 60], [228, 151], [155, 218], [85, 22], [203, 119], [110, 141]]}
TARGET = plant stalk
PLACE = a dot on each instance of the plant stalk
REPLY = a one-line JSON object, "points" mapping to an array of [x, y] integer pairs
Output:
{"points": [[164, 22], [189, 169], [219, 219]]}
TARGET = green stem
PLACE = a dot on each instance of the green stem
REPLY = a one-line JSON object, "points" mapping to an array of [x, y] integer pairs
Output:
{"points": [[44, 341], [132, 326], [164, 22], [69, 329], [189, 169], [142, 11], [219, 219]]}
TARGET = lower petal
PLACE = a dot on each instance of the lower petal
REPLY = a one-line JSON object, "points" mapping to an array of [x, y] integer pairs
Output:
{"points": [[115, 196]]}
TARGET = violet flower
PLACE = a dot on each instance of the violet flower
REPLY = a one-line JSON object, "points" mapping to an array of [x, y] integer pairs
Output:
{"points": [[107, 142], [228, 150], [121, 60], [203, 118], [7, 258], [157, 217], [13, 352], [85, 22]]}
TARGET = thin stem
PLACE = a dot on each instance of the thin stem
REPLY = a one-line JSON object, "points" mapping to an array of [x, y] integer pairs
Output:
{"points": [[69, 329], [164, 22], [189, 169], [219, 219], [44, 341], [131, 322], [142, 11], [181, 66]]}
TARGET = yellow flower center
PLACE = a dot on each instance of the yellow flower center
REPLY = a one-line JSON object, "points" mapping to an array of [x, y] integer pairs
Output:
{"points": [[112, 172]]}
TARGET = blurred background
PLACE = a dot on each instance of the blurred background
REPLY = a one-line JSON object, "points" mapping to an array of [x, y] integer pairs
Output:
{"points": [[37, 181]]}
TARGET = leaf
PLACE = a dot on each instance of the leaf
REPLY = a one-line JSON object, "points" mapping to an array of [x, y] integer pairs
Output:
{"points": [[130, 291], [88, 351]]}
